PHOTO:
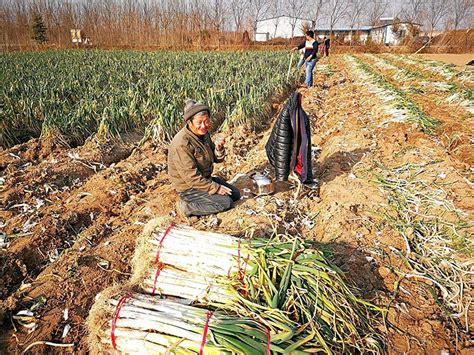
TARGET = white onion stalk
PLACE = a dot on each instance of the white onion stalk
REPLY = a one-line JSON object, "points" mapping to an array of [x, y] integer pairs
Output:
{"points": [[146, 342], [146, 324], [189, 240], [196, 259], [191, 286]]}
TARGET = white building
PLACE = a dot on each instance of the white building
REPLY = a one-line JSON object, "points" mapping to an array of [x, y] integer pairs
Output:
{"points": [[281, 26], [346, 35], [390, 32]]}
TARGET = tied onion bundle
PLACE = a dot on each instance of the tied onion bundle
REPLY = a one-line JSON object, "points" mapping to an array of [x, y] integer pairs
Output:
{"points": [[190, 264], [143, 324], [283, 282]]}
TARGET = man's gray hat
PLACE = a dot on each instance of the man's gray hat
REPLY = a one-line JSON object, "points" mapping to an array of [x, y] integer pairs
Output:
{"points": [[192, 107]]}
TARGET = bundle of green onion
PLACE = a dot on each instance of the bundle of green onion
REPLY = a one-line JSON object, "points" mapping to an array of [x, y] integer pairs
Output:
{"points": [[284, 283], [191, 250], [190, 286], [144, 324], [189, 263]]}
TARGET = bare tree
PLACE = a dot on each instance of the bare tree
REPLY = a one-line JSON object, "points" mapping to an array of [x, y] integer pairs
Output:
{"points": [[461, 11], [336, 9], [136, 23], [239, 12], [295, 9], [435, 11], [316, 8], [275, 12], [413, 11], [258, 10], [376, 8], [5, 23], [197, 17], [217, 14], [166, 11], [354, 13]]}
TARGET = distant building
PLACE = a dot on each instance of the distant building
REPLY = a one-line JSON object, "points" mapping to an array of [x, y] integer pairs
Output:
{"points": [[358, 34], [383, 21], [389, 31], [282, 27], [78, 37]]}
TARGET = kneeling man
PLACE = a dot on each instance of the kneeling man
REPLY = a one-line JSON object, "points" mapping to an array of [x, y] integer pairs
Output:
{"points": [[191, 157]]}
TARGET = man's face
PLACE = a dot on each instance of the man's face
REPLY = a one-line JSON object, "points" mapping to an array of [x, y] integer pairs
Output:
{"points": [[199, 124]]}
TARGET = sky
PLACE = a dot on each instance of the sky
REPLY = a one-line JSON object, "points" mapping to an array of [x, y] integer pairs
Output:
{"points": [[394, 9]]}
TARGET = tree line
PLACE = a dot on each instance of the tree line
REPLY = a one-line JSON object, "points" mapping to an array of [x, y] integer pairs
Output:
{"points": [[183, 23]]}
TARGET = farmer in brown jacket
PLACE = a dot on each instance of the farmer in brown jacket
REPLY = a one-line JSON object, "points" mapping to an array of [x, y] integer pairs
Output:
{"points": [[191, 156]]}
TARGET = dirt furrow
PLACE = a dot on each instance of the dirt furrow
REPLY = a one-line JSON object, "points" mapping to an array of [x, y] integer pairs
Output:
{"points": [[456, 129], [28, 186], [85, 240], [355, 150], [94, 227], [55, 227]]}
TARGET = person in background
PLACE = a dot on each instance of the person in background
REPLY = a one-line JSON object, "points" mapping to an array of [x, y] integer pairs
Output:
{"points": [[191, 157], [327, 45], [309, 57], [322, 48]]}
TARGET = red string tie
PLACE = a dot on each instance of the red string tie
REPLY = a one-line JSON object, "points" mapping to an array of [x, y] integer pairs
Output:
{"points": [[268, 341], [114, 319], [204, 333], [159, 266]]}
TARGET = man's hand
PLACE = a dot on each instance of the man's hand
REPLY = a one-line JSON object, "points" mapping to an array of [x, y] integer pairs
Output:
{"points": [[223, 190], [219, 141], [294, 49]]}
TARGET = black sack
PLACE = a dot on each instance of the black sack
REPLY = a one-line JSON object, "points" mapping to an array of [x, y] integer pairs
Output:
{"points": [[290, 138]]}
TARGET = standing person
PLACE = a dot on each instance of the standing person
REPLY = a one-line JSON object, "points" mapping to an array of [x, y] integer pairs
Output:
{"points": [[310, 56], [191, 157], [327, 44], [322, 48]]}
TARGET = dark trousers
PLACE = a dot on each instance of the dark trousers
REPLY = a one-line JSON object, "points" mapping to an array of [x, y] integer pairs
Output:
{"points": [[200, 203]]}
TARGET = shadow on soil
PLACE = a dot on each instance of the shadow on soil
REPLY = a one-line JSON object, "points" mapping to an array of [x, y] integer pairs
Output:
{"points": [[337, 164], [358, 269]]}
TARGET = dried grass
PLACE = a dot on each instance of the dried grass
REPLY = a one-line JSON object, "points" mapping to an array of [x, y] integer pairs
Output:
{"points": [[142, 261]]}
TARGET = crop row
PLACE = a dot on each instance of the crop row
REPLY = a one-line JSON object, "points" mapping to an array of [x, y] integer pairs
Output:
{"points": [[459, 94], [77, 94], [398, 104], [447, 71]]}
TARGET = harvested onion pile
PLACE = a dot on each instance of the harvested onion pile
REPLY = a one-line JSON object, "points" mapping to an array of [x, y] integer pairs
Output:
{"points": [[283, 283]]}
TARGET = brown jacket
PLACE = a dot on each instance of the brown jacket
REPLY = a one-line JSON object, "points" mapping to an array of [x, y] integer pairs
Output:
{"points": [[190, 162]]}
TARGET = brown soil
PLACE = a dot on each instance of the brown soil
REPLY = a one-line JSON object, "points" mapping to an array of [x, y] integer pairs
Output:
{"points": [[93, 222], [456, 124], [460, 38], [457, 59]]}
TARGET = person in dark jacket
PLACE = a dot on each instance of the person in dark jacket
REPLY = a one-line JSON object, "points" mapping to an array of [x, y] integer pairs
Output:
{"points": [[191, 156], [309, 57], [327, 45]]}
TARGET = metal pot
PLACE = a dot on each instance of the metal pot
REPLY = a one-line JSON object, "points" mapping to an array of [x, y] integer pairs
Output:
{"points": [[263, 185]]}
